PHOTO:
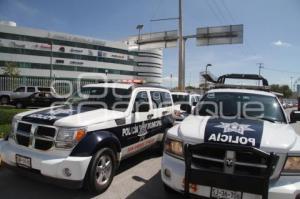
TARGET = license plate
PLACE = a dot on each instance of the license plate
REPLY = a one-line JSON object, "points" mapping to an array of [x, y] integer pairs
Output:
{"points": [[23, 161], [225, 194]]}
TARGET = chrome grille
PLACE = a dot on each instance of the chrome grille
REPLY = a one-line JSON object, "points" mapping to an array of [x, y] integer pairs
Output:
{"points": [[228, 161], [35, 136]]}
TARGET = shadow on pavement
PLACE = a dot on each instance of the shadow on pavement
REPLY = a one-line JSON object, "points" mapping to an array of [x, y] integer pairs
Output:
{"points": [[13, 185], [152, 188]]}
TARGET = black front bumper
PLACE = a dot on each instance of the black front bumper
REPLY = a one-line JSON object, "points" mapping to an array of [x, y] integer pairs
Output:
{"points": [[254, 184], [36, 175]]}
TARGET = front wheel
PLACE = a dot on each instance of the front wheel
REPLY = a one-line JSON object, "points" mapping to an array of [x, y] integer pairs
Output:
{"points": [[101, 171]]}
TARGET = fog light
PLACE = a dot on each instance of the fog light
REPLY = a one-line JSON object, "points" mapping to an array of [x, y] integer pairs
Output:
{"points": [[167, 173], [67, 172], [193, 187]]}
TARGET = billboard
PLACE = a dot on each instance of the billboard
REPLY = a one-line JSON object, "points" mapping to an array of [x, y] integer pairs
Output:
{"points": [[166, 39], [218, 35]]}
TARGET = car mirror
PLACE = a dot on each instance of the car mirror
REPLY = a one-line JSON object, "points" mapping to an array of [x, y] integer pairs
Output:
{"points": [[186, 107], [294, 116], [194, 103]]}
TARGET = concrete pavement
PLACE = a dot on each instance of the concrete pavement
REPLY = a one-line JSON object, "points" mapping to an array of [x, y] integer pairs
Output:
{"points": [[138, 177]]}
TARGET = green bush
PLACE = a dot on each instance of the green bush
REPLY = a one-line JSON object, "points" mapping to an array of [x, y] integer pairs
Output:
{"points": [[6, 115]]}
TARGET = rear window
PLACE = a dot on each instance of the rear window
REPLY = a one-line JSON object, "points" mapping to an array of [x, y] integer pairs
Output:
{"points": [[31, 89], [45, 89], [180, 99], [166, 98], [161, 99]]}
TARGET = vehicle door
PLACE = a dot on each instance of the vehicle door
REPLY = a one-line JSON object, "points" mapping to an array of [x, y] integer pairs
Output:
{"points": [[18, 93], [137, 129], [162, 106]]}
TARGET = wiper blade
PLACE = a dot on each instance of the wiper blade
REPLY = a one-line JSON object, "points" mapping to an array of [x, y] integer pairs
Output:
{"points": [[268, 119]]}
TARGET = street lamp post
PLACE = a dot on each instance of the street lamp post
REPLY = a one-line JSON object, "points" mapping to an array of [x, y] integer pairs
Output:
{"points": [[205, 84], [51, 62], [139, 27]]}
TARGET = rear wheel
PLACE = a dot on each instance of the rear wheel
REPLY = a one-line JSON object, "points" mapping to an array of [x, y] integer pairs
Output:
{"points": [[101, 171], [4, 100]]}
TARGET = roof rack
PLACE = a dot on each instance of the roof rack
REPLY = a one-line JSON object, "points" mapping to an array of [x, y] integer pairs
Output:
{"points": [[221, 79], [250, 87]]}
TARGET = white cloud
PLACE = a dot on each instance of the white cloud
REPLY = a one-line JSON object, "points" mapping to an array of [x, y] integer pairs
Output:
{"points": [[280, 43], [26, 8]]}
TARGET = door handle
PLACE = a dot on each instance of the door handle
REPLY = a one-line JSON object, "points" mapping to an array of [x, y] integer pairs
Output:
{"points": [[149, 116], [165, 112]]}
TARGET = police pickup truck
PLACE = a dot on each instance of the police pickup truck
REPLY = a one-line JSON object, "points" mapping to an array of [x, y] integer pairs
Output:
{"points": [[238, 144], [83, 141]]}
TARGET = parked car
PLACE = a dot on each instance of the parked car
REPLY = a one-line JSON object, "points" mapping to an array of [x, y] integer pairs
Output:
{"points": [[184, 103], [83, 142], [24, 91], [38, 99]]}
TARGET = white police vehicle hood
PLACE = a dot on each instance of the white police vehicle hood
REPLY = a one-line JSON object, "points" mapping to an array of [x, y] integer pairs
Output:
{"points": [[268, 136], [70, 116]]}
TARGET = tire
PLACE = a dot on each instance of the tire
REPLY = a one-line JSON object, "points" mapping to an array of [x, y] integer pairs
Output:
{"points": [[101, 171], [4, 100], [19, 105]]}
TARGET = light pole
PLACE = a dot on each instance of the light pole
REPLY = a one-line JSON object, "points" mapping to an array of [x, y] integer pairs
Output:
{"points": [[205, 84], [139, 27], [292, 83], [260, 66], [51, 62]]}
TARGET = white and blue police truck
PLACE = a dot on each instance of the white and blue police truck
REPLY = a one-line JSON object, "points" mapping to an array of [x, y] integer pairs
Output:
{"points": [[81, 143], [241, 146]]}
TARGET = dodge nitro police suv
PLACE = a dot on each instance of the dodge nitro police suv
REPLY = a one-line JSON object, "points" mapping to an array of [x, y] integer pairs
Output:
{"points": [[240, 146], [84, 140]]}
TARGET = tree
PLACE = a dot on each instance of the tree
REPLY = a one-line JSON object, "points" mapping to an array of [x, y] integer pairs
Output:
{"points": [[284, 89], [10, 69]]}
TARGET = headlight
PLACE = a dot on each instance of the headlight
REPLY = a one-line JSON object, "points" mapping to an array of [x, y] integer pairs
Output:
{"points": [[14, 124], [68, 137], [292, 165], [174, 147]]}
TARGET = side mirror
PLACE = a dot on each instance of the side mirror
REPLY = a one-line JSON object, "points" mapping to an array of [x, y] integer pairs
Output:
{"points": [[294, 116], [194, 103], [186, 107], [142, 108]]}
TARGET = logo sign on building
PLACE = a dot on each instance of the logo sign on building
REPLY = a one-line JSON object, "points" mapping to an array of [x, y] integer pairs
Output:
{"points": [[219, 35], [74, 50]]}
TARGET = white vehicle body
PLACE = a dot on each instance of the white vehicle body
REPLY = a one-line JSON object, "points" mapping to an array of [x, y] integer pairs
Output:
{"points": [[37, 142], [21, 92], [277, 138]]}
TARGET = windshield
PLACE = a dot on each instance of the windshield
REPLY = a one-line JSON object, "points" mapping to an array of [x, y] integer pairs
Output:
{"points": [[100, 97], [241, 105], [180, 99]]}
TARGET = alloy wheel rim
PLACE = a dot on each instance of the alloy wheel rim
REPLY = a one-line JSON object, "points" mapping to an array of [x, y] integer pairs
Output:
{"points": [[103, 169]]}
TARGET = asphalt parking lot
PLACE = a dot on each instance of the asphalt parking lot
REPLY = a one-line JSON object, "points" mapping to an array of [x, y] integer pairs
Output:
{"points": [[138, 177]]}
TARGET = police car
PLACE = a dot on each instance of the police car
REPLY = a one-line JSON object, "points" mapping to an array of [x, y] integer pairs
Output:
{"points": [[83, 141], [237, 145], [184, 103]]}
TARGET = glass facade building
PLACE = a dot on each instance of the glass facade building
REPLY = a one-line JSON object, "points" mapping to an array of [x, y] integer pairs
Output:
{"points": [[36, 51]]}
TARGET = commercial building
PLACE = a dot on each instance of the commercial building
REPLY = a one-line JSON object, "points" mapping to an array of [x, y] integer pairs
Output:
{"points": [[36, 51]]}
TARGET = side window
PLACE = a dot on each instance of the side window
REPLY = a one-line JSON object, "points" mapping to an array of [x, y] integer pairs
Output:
{"points": [[193, 99], [140, 99], [20, 89], [31, 89], [166, 99], [156, 99]]}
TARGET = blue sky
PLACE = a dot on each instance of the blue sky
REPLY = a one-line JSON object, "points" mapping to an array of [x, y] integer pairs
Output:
{"points": [[271, 30]]}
